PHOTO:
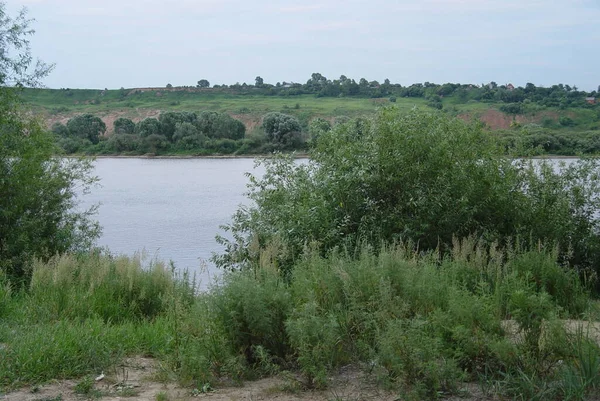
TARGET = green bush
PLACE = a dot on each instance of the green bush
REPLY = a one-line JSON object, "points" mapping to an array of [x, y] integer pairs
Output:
{"points": [[414, 358], [421, 177], [253, 310]]}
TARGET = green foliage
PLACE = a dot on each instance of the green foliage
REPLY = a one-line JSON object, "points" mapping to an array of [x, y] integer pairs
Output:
{"points": [[38, 217], [87, 126], [420, 323], [124, 126], [282, 129], [317, 341], [253, 312], [147, 127], [512, 108], [120, 143], [414, 358], [60, 130], [566, 121], [112, 289], [422, 177], [16, 68], [170, 120], [316, 127], [220, 125]]}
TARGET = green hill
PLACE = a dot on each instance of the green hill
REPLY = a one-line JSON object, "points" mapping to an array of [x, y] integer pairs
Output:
{"points": [[562, 117]]}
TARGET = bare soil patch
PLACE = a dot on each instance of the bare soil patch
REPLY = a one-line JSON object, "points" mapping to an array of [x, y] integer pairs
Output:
{"points": [[136, 379]]}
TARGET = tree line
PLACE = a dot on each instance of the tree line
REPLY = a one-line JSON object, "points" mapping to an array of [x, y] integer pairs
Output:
{"points": [[559, 95], [206, 132]]}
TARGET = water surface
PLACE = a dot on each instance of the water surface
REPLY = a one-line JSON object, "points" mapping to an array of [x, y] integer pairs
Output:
{"points": [[171, 208]]}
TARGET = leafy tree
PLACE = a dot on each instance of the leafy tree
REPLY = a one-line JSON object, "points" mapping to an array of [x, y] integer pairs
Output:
{"points": [[154, 143], [60, 130], [203, 83], [123, 142], [512, 108], [147, 127], [422, 177], [38, 218], [87, 126], [220, 125], [124, 126], [169, 86], [184, 129], [281, 129], [170, 119], [259, 82]]}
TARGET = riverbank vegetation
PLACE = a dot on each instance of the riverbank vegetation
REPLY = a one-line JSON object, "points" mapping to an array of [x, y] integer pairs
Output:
{"points": [[411, 246], [419, 324], [570, 117]]}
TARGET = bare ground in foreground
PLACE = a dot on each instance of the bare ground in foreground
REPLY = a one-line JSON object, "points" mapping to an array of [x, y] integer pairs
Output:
{"points": [[136, 379]]}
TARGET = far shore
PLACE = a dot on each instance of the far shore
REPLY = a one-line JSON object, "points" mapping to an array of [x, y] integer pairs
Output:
{"points": [[296, 156]]}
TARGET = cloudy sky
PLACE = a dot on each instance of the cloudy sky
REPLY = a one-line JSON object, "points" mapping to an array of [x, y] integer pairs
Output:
{"points": [[136, 43]]}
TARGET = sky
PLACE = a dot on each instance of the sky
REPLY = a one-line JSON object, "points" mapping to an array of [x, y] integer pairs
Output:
{"points": [[150, 43]]}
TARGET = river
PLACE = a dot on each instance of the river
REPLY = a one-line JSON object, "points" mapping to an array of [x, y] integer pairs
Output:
{"points": [[170, 209]]}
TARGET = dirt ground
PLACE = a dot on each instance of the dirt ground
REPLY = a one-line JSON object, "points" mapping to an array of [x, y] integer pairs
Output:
{"points": [[136, 379]]}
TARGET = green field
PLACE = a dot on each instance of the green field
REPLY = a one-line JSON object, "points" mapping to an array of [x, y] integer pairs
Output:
{"points": [[51, 103]]}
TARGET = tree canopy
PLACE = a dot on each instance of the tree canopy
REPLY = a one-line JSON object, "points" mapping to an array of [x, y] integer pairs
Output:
{"points": [[38, 218]]}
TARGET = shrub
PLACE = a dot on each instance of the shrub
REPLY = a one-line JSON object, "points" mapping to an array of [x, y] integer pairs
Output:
{"points": [[421, 177]]}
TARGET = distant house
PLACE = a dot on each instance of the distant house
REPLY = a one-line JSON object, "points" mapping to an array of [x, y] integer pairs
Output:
{"points": [[510, 87], [590, 100]]}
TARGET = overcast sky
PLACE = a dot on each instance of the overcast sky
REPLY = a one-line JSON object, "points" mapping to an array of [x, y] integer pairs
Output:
{"points": [[137, 43]]}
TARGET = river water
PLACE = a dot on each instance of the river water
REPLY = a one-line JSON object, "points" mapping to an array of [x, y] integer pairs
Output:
{"points": [[169, 209]]}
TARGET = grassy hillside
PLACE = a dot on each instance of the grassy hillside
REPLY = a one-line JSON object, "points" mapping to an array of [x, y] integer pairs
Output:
{"points": [[61, 104], [554, 129]]}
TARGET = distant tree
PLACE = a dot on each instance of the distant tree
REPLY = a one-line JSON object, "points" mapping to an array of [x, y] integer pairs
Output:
{"points": [[147, 127], [87, 126], [220, 125], [124, 126], [60, 130], [169, 86], [183, 130], [512, 108], [529, 88], [169, 120], [154, 143], [282, 129], [124, 143], [259, 82], [203, 83]]}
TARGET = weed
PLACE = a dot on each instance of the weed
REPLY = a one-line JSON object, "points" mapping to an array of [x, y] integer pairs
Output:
{"points": [[86, 386], [161, 396]]}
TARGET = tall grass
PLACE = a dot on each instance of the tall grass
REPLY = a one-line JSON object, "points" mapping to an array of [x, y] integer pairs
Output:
{"points": [[114, 289], [419, 323]]}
